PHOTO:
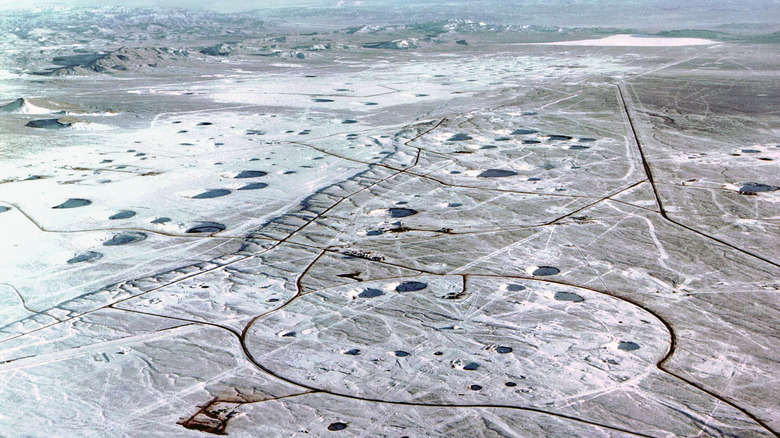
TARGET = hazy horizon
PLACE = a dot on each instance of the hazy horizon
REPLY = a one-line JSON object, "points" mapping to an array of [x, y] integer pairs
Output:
{"points": [[213, 5], [244, 5], [642, 15]]}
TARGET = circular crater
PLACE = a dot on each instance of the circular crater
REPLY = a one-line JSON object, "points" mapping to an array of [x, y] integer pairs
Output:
{"points": [[519, 345]]}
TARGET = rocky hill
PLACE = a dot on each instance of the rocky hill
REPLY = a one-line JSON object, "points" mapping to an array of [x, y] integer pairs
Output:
{"points": [[117, 60]]}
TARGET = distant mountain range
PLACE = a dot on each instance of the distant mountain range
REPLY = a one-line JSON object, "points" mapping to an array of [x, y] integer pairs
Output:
{"points": [[117, 22], [78, 40]]}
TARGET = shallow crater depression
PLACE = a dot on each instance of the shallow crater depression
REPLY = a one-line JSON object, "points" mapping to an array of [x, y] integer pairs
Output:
{"points": [[487, 335]]}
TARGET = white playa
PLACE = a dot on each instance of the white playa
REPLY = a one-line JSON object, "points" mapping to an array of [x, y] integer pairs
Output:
{"points": [[624, 40]]}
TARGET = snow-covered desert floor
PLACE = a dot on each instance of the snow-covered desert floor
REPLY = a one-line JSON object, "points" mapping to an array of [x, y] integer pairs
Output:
{"points": [[488, 237]]}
